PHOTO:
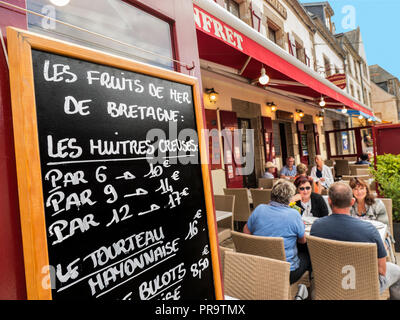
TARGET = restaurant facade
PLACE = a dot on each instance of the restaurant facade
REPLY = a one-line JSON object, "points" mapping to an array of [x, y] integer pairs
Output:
{"points": [[303, 98]]}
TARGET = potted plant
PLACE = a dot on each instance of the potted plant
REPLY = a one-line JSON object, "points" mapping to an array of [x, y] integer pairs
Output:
{"points": [[387, 175]]}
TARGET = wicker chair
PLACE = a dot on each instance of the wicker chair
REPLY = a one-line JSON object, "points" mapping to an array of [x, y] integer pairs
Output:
{"points": [[268, 247], [330, 162], [265, 183], [241, 212], [355, 167], [260, 196], [334, 262], [249, 277], [363, 172], [389, 209], [342, 167], [222, 251], [224, 203], [365, 178]]}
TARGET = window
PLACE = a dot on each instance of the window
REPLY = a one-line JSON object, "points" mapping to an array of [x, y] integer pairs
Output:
{"points": [[300, 52], [327, 65], [365, 97], [351, 65], [352, 90], [272, 34], [383, 85], [232, 7], [111, 19]]}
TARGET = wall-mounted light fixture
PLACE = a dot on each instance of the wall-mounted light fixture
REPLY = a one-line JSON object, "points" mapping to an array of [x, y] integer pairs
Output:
{"points": [[264, 79], [272, 106], [320, 117], [300, 113], [212, 95], [360, 117], [370, 120], [344, 110]]}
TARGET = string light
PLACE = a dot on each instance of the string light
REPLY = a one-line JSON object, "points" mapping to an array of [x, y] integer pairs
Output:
{"points": [[264, 79], [60, 3], [322, 103]]}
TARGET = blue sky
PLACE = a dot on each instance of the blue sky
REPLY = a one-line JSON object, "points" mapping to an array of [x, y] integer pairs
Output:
{"points": [[379, 21]]}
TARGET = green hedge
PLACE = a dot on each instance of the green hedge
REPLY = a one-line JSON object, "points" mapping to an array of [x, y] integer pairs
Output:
{"points": [[387, 174]]}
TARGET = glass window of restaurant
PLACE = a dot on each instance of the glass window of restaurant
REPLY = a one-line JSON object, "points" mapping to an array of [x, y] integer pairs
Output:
{"points": [[113, 26]]}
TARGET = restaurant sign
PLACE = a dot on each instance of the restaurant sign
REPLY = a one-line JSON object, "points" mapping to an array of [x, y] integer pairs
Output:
{"points": [[216, 28], [338, 79]]}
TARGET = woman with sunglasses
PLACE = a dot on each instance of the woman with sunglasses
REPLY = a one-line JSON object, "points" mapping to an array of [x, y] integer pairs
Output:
{"points": [[366, 206], [312, 204]]}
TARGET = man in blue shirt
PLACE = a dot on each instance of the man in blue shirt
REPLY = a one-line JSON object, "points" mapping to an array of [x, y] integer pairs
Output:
{"points": [[341, 226], [277, 219], [364, 159], [289, 171]]}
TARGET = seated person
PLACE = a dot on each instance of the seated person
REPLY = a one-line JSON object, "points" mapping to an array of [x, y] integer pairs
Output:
{"points": [[302, 171], [364, 159], [341, 226], [322, 173], [289, 170], [366, 206], [311, 204], [277, 219], [270, 169]]}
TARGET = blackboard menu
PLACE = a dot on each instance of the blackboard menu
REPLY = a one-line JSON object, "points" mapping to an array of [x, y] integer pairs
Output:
{"points": [[122, 184]]}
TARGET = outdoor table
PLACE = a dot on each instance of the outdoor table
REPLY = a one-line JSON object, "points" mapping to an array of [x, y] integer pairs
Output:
{"points": [[221, 215]]}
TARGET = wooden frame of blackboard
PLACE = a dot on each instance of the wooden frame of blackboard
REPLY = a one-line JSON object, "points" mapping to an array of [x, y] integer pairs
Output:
{"points": [[20, 44]]}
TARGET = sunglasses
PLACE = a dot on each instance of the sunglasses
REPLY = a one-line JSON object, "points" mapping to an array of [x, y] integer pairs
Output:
{"points": [[304, 188]]}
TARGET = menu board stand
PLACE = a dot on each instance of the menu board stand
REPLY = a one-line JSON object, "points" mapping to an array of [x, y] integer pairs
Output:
{"points": [[114, 187]]}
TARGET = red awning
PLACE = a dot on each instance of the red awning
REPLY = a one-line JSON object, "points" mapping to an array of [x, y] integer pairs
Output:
{"points": [[220, 43]]}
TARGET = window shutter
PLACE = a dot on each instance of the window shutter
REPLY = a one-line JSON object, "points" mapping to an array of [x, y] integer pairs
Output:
{"points": [[292, 44], [307, 56], [256, 16]]}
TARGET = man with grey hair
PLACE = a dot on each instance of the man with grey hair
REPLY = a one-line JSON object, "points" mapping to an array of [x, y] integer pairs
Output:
{"points": [[341, 226], [321, 173], [277, 219]]}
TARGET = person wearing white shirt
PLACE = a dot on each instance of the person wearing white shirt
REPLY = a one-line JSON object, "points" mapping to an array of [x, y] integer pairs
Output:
{"points": [[322, 173]]}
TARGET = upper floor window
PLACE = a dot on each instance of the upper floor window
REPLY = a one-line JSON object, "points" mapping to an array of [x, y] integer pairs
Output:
{"points": [[233, 7], [327, 65], [113, 26], [272, 34], [352, 90], [383, 85]]}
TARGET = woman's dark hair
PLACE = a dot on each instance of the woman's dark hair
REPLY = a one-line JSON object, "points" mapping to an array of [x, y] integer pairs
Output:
{"points": [[355, 182], [301, 180]]}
